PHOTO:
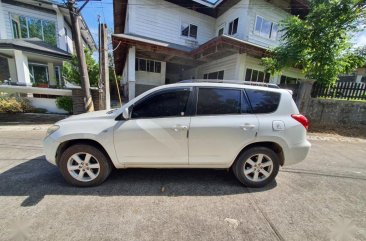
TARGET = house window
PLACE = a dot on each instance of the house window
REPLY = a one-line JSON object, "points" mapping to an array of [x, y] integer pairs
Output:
{"points": [[233, 27], [286, 80], [58, 75], [147, 65], [266, 28], [189, 30], [256, 76], [38, 73], [66, 41], [27, 27], [221, 32], [15, 28], [214, 75]]}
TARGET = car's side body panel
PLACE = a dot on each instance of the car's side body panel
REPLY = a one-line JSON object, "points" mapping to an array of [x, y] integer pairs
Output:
{"points": [[216, 139], [155, 141]]}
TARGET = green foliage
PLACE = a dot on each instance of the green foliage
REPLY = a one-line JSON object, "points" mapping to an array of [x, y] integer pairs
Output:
{"points": [[321, 43], [65, 103], [71, 71], [11, 104]]}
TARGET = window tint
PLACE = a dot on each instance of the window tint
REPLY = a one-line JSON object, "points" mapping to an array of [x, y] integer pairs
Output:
{"points": [[215, 101], [263, 101], [163, 104]]}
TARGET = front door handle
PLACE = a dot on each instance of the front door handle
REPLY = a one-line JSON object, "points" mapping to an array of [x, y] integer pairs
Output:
{"points": [[180, 127], [247, 126]]}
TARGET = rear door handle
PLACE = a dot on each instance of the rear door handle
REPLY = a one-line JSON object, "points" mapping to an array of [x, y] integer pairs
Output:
{"points": [[180, 127], [247, 126]]}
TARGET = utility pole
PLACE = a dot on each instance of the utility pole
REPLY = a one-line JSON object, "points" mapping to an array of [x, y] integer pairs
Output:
{"points": [[104, 92], [75, 24]]}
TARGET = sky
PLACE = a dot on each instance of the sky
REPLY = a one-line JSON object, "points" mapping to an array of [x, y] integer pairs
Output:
{"points": [[104, 9]]}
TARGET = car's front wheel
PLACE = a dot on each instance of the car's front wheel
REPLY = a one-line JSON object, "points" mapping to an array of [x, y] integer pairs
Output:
{"points": [[84, 165], [256, 167]]}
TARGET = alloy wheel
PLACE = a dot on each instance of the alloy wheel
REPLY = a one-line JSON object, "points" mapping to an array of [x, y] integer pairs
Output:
{"points": [[258, 167], [83, 167]]}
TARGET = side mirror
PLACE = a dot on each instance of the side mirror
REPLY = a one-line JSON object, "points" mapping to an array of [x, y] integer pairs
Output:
{"points": [[126, 114]]}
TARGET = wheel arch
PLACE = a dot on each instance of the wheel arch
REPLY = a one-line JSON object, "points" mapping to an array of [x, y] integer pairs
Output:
{"points": [[66, 144], [271, 145]]}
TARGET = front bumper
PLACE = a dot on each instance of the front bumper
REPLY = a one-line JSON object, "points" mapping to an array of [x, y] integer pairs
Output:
{"points": [[297, 153], [50, 146]]}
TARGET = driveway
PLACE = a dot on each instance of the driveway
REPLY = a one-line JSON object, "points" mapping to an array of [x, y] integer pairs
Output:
{"points": [[322, 198]]}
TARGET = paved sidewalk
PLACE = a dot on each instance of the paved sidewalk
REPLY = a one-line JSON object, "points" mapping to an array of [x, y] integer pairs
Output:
{"points": [[322, 198]]}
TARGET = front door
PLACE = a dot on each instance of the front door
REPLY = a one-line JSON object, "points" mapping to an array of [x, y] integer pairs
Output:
{"points": [[221, 127], [156, 134]]}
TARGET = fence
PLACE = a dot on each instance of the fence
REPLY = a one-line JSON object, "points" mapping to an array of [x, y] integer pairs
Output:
{"points": [[340, 90]]}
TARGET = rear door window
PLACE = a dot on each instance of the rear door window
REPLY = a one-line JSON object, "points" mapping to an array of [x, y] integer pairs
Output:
{"points": [[263, 101], [218, 101]]}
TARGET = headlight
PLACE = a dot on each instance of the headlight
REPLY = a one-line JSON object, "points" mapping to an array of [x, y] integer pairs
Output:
{"points": [[52, 129]]}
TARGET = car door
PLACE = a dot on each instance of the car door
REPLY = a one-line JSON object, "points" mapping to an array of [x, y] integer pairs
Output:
{"points": [[222, 126], [156, 133]]}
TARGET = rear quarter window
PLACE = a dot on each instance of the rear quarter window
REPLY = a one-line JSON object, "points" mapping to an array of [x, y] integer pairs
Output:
{"points": [[263, 101]]}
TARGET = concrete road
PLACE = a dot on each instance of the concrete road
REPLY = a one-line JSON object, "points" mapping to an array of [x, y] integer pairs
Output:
{"points": [[322, 198]]}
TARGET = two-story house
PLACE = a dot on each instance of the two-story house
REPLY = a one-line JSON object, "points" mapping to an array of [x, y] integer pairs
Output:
{"points": [[35, 40], [166, 41]]}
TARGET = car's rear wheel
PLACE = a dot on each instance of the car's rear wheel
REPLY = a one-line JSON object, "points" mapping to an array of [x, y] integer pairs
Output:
{"points": [[84, 165], [256, 167]]}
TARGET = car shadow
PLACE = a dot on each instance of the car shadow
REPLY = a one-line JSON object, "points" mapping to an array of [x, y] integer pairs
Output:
{"points": [[37, 178]]}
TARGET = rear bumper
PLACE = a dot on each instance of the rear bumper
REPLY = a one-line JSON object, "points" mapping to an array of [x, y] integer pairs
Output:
{"points": [[297, 153]]}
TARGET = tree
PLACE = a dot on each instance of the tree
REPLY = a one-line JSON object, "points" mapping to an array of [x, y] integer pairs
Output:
{"points": [[320, 44], [71, 71]]}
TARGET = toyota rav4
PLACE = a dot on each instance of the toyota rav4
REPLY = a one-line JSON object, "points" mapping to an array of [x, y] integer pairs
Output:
{"points": [[251, 129]]}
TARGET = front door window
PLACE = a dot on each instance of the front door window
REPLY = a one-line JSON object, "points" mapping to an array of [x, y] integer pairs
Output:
{"points": [[168, 103]]}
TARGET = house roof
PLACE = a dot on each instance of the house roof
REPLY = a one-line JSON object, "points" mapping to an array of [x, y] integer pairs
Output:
{"points": [[34, 45], [217, 47]]}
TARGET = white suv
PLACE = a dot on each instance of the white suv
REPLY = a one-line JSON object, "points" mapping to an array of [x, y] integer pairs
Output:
{"points": [[252, 130]]}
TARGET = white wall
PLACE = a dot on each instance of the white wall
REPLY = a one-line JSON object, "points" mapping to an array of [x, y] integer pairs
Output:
{"points": [[149, 78], [254, 63], [269, 12], [48, 104], [240, 11], [162, 20], [8, 9], [228, 64]]}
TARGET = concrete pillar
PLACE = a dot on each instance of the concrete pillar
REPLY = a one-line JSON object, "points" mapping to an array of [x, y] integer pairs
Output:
{"points": [[240, 67], [359, 73], [163, 73], [304, 95], [275, 79], [12, 70], [131, 72], [51, 75], [2, 23], [22, 69], [358, 78]]}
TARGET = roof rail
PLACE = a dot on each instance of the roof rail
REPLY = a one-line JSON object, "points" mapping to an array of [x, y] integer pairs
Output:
{"points": [[269, 85]]}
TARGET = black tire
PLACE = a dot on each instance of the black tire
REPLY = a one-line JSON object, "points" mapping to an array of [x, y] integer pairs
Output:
{"points": [[238, 166], [98, 156]]}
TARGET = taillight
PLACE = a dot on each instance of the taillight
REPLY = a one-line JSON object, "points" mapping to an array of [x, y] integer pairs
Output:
{"points": [[302, 119]]}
